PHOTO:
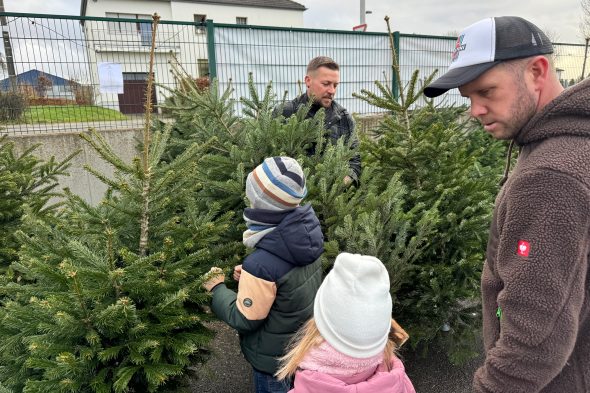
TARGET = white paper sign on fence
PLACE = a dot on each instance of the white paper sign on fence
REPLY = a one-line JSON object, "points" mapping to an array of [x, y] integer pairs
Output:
{"points": [[110, 77]]}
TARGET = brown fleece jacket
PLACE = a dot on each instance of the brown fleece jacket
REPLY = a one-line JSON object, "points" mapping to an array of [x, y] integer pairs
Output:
{"points": [[536, 269]]}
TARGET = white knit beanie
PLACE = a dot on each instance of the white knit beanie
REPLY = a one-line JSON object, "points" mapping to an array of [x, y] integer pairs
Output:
{"points": [[276, 184], [352, 308]]}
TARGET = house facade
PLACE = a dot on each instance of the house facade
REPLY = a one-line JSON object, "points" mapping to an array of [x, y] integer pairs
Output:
{"points": [[56, 86], [125, 46]]}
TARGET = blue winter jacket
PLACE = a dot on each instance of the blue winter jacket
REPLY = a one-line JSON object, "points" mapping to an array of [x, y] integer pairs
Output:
{"points": [[277, 288]]}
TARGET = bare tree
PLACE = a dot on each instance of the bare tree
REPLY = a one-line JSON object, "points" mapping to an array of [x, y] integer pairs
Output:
{"points": [[585, 30], [585, 18], [552, 34], [553, 37], [43, 85], [452, 33]]}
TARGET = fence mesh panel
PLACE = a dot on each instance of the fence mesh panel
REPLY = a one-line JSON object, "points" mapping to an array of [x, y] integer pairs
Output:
{"points": [[66, 73], [77, 73]]}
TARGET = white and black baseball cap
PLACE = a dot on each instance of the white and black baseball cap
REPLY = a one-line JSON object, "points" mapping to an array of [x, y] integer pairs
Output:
{"points": [[486, 43]]}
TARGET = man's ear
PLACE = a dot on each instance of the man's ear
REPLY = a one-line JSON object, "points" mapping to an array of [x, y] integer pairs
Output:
{"points": [[538, 70], [307, 80]]}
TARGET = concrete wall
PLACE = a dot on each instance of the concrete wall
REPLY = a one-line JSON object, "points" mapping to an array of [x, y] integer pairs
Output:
{"points": [[123, 142], [80, 181]]}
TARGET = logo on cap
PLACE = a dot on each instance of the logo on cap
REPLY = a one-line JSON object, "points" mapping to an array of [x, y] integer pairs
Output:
{"points": [[523, 248], [459, 47]]}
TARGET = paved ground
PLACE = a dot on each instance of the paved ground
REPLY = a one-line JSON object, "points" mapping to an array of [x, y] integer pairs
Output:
{"points": [[228, 372]]}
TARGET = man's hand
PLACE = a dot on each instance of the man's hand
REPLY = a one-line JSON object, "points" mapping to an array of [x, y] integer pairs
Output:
{"points": [[347, 180], [214, 276], [237, 272]]}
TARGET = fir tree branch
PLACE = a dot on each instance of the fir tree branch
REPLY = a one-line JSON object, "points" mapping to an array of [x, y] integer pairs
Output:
{"points": [[145, 194], [111, 260], [396, 69], [101, 146]]}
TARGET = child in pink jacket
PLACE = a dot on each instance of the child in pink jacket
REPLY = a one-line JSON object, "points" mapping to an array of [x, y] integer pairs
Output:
{"points": [[349, 344]]}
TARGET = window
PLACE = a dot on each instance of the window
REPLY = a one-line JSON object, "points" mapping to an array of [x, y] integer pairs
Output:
{"points": [[201, 19], [203, 65], [144, 29], [241, 20], [118, 27]]}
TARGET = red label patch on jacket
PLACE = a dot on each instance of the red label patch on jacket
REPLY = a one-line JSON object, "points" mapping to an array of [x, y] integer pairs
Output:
{"points": [[523, 248]]}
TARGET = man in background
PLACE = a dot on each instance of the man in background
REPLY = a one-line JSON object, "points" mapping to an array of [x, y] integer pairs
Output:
{"points": [[322, 80]]}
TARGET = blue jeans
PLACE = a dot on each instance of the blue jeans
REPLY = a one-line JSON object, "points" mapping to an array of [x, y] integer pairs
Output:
{"points": [[266, 383]]}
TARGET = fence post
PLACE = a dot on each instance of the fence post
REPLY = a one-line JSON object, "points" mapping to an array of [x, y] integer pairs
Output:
{"points": [[394, 81], [7, 48], [211, 49], [585, 57]]}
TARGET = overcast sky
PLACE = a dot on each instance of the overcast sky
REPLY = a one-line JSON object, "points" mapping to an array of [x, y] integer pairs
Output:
{"points": [[560, 18], [440, 17]]}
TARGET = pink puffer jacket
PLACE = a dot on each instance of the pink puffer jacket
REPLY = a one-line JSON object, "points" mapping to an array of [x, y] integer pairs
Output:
{"points": [[328, 371]]}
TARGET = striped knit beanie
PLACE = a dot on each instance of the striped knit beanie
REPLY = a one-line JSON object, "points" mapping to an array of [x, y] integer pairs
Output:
{"points": [[276, 184]]}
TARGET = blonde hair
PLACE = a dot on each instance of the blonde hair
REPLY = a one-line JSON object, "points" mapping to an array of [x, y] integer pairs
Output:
{"points": [[309, 337]]}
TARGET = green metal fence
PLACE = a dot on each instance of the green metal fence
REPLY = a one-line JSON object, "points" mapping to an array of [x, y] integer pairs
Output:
{"points": [[281, 55], [77, 73], [67, 73]]}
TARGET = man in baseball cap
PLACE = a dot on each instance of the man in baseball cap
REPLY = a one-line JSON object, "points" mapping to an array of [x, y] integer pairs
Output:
{"points": [[536, 280]]}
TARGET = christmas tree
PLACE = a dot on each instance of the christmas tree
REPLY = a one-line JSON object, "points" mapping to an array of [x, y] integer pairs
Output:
{"points": [[240, 143], [374, 218], [25, 183], [111, 300], [447, 162], [423, 205]]}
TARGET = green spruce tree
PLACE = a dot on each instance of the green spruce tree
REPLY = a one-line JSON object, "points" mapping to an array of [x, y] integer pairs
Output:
{"points": [[444, 161], [423, 205], [112, 298], [369, 219], [233, 145], [25, 182]]}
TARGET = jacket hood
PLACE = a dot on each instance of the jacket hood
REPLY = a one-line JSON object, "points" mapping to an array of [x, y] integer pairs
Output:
{"points": [[378, 381], [567, 114], [298, 239]]}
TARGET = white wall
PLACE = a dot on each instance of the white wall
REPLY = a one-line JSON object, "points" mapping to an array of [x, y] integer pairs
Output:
{"points": [[139, 62], [183, 42], [185, 11], [363, 58], [428, 54], [182, 11], [99, 8]]}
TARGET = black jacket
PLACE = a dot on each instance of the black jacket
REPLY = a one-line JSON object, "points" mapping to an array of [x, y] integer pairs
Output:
{"points": [[339, 123]]}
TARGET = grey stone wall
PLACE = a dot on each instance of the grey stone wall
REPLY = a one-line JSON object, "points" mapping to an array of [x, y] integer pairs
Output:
{"points": [[61, 145]]}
